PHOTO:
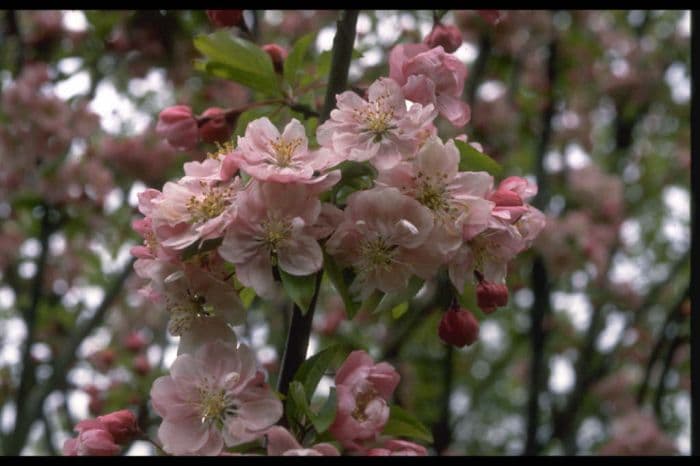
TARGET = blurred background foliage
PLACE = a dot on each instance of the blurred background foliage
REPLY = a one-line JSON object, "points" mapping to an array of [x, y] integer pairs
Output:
{"points": [[591, 355]]}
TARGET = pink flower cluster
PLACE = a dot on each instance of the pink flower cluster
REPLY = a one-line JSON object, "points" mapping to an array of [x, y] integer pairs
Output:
{"points": [[102, 436]]}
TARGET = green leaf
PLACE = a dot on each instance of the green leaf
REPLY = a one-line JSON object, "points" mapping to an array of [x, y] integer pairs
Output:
{"points": [[324, 61], [237, 59], [399, 310], [370, 304], [335, 274], [391, 300], [323, 420], [471, 159], [299, 288], [297, 405], [404, 424], [312, 370], [247, 296], [296, 58]]}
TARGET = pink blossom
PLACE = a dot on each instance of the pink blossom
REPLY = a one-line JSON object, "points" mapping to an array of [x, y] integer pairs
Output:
{"points": [[395, 447], [379, 129], [192, 209], [509, 198], [455, 199], [217, 127], [274, 228], [363, 389], [431, 76], [490, 296], [93, 441], [380, 237], [211, 399], [200, 303], [178, 125], [447, 36], [280, 442], [121, 424], [270, 156]]}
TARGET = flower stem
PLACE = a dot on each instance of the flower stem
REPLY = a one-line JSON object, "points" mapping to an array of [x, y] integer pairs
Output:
{"points": [[300, 326]]}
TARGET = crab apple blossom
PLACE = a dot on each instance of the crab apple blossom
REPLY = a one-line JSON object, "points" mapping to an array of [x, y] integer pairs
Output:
{"points": [[363, 388], [216, 127], [431, 76], [213, 398], [194, 208], [490, 296], [395, 447], [378, 129], [121, 424], [274, 228], [178, 126], [267, 155], [280, 442], [509, 198], [91, 442], [381, 237], [447, 36], [455, 199]]}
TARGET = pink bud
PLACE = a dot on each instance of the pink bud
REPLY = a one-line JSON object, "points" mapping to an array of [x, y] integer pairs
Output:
{"points": [[492, 16], [458, 327], [506, 198], [141, 365], [450, 37], [278, 54], [135, 342], [178, 126], [490, 295], [91, 442], [226, 18], [121, 425], [216, 128]]}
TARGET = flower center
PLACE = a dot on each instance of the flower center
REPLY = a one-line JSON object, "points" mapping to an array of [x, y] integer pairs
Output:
{"points": [[284, 150], [376, 118], [210, 203], [184, 312], [377, 253], [361, 402], [215, 406], [276, 232]]}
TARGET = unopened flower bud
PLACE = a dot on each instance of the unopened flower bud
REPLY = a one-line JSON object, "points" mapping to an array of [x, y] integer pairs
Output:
{"points": [[458, 327], [122, 425], [141, 365], [506, 198], [216, 128], [178, 126], [135, 342], [448, 36], [491, 295], [226, 18], [91, 442], [278, 54]]}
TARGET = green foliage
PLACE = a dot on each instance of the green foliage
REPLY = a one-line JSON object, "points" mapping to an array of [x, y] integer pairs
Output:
{"points": [[294, 61], [337, 278], [237, 59], [404, 424], [299, 288], [313, 369], [390, 300], [471, 159]]}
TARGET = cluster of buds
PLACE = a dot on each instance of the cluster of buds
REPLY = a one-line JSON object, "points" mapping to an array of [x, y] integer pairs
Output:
{"points": [[103, 436]]}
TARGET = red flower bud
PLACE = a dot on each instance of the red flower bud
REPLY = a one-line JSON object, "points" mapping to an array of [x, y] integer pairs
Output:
{"points": [[216, 128], [458, 327], [490, 295], [450, 37], [506, 198], [226, 18], [178, 126], [135, 342], [278, 54], [121, 424], [141, 365]]}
